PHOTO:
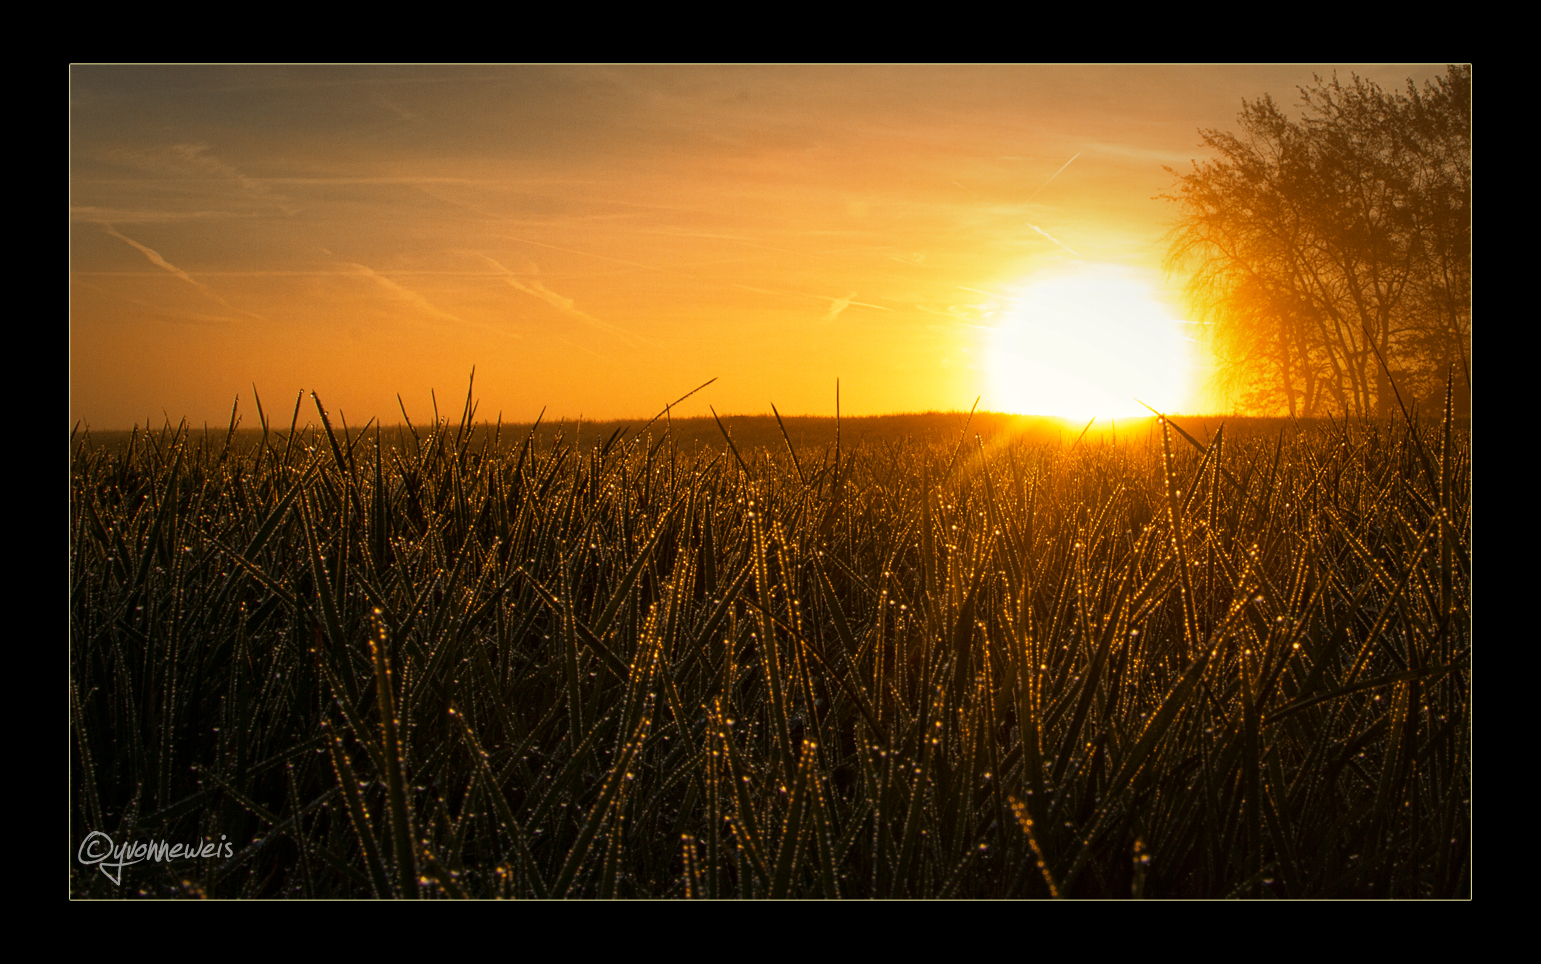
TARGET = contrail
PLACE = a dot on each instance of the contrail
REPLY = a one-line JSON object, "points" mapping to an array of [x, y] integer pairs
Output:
{"points": [[838, 305], [406, 294], [560, 302], [1039, 191], [154, 257], [992, 294], [586, 254], [1054, 239], [1046, 184]]}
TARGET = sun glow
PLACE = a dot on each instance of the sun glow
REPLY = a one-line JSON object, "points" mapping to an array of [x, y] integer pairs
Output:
{"points": [[1096, 342]]}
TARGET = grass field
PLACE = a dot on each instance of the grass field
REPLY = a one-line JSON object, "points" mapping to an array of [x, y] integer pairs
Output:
{"points": [[927, 661]]}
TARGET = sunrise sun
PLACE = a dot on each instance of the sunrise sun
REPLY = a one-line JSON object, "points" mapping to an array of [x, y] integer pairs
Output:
{"points": [[1093, 342]]}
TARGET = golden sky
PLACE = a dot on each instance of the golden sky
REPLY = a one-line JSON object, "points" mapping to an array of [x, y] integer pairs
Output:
{"points": [[599, 240]]}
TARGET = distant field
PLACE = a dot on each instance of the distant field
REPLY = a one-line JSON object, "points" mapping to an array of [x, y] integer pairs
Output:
{"points": [[749, 431], [1010, 661]]}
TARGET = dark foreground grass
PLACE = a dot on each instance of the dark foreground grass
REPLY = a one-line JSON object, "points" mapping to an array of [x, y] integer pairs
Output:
{"points": [[452, 666]]}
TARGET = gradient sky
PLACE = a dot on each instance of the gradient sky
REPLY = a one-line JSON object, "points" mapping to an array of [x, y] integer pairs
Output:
{"points": [[599, 240]]}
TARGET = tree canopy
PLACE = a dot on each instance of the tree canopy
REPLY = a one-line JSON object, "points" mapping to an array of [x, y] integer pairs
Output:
{"points": [[1327, 251]]}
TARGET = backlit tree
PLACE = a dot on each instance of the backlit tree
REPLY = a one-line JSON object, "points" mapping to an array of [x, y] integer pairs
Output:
{"points": [[1324, 251]]}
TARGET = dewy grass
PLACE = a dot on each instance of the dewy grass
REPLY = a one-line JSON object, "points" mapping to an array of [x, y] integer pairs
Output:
{"points": [[1174, 664]]}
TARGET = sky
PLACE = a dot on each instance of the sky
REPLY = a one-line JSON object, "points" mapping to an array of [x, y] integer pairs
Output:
{"points": [[596, 241]]}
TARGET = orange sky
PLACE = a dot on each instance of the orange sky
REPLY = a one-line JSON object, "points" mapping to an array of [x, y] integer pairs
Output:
{"points": [[599, 240]]}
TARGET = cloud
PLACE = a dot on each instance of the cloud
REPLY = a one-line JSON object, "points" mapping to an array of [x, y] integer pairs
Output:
{"points": [[837, 305], [968, 313], [177, 160], [160, 313], [401, 112], [90, 214], [201, 178], [154, 257], [406, 294], [1052, 238], [560, 302], [1143, 155], [586, 254]]}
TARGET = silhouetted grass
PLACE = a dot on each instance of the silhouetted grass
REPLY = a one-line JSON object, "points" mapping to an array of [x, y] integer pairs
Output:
{"points": [[454, 664]]}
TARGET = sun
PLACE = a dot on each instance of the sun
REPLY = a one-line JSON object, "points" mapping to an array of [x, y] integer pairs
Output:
{"points": [[1095, 341]]}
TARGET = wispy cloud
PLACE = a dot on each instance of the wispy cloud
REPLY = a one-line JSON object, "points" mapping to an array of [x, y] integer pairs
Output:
{"points": [[408, 180], [1054, 239], [562, 303], [217, 187], [89, 214], [178, 161], [1143, 155], [401, 112], [586, 254], [989, 294], [406, 294], [767, 291], [160, 313], [154, 257], [837, 305], [969, 313]]}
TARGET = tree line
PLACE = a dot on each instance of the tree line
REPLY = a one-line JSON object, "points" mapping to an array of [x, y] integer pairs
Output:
{"points": [[1329, 257]]}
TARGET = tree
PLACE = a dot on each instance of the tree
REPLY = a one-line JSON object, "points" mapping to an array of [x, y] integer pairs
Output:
{"points": [[1328, 251]]}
